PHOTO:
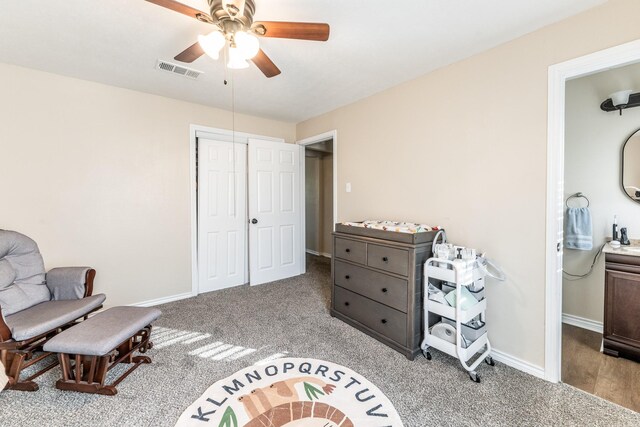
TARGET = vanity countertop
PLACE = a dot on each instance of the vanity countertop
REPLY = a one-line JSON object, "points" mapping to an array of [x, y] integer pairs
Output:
{"points": [[631, 250]]}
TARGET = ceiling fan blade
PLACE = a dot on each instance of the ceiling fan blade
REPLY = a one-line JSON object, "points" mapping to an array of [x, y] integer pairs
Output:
{"points": [[190, 54], [265, 64], [293, 30], [184, 9]]}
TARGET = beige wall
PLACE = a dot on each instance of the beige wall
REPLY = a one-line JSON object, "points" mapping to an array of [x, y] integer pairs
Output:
{"points": [[593, 145], [99, 176], [465, 147]]}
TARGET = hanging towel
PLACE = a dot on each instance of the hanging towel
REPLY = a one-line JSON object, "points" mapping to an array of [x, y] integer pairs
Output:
{"points": [[578, 229]]}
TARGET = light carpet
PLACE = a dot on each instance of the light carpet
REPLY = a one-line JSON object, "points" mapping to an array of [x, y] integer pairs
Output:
{"points": [[202, 340]]}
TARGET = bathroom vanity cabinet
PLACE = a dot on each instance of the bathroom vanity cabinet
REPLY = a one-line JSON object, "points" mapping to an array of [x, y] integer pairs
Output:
{"points": [[621, 336]]}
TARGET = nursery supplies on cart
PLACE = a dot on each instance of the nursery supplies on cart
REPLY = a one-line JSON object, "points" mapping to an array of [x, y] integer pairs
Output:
{"points": [[456, 279]]}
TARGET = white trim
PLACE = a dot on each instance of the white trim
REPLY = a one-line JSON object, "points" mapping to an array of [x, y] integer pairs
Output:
{"points": [[193, 140], [333, 134], [195, 132], [603, 60], [227, 135], [316, 253], [163, 300], [583, 323], [303, 208], [519, 364]]}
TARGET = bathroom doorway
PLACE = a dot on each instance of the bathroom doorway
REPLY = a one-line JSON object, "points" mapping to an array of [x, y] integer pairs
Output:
{"points": [[593, 194]]}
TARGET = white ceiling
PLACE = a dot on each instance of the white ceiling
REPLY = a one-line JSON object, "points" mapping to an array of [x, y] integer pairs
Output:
{"points": [[374, 44]]}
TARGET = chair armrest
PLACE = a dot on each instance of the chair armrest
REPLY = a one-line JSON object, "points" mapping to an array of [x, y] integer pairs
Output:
{"points": [[66, 283]]}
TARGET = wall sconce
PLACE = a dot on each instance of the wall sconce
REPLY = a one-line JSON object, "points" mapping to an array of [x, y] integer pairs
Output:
{"points": [[621, 100]]}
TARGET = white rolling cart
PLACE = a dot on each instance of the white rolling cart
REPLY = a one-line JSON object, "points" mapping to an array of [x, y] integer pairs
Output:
{"points": [[464, 349]]}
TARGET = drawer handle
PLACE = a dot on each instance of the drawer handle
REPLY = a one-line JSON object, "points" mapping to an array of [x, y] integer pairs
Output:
{"points": [[347, 277], [346, 303], [347, 250], [384, 320], [385, 259], [384, 290]]}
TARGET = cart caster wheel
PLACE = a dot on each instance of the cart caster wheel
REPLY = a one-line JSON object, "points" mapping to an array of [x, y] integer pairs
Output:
{"points": [[426, 354], [474, 377], [489, 361]]}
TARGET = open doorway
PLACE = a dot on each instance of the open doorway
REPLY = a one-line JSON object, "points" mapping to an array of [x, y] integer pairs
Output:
{"points": [[559, 74], [319, 198], [600, 291]]}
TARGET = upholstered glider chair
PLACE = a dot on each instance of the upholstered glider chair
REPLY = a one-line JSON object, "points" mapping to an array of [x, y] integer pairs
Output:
{"points": [[36, 305]]}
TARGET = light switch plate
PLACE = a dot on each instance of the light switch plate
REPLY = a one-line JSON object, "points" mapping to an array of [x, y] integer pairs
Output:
{"points": [[348, 188]]}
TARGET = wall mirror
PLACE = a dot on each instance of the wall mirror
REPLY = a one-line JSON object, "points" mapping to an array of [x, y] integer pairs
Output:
{"points": [[631, 167]]}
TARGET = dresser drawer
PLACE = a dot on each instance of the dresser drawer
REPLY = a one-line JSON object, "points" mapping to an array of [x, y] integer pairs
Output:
{"points": [[388, 290], [388, 259], [380, 318], [351, 250]]}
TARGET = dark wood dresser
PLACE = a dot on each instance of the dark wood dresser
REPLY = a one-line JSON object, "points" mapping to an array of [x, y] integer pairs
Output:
{"points": [[378, 284], [621, 335]]}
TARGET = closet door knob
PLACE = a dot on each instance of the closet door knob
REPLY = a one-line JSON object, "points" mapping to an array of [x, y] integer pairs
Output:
{"points": [[347, 277], [347, 250], [254, 221], [384, 290], [346, 303], [384, 320], [385, 259]]}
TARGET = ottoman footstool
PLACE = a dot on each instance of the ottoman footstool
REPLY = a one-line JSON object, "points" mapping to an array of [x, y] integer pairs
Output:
{"points": [[90, 349]]}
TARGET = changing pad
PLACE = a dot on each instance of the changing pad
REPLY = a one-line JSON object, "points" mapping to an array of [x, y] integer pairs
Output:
{"points": [[399, 227]]}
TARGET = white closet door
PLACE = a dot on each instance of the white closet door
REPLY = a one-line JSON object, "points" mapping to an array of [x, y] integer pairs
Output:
{"points": [[274, 211], [222, 220]]}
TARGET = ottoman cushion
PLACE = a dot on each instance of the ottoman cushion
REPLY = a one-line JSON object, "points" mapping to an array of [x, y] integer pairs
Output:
{"points": [[103, 332]]}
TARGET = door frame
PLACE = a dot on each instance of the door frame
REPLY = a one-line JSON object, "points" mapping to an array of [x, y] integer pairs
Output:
{"points": [[224, 135], [559, 74], [333, 134]]}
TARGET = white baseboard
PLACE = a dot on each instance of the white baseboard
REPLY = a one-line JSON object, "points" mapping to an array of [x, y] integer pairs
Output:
{"points": [[583, 323], [326, 255], [162, 300], [518, 364]]}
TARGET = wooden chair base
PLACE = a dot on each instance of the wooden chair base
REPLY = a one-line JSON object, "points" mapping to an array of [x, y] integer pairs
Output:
{"points": [[16, 356], [19, 358], [87, 374], [23, 386]]}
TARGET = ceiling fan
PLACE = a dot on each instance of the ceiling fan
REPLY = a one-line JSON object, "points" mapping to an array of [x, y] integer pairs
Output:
{"points": [[236, 33]]}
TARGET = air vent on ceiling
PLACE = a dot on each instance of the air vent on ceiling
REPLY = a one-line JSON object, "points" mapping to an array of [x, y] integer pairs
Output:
{"points": [[178, 69]]}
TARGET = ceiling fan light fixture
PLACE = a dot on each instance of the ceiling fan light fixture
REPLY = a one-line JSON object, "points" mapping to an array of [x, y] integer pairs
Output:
{"points": [[236, 59], [247, 44], [212, 43]]}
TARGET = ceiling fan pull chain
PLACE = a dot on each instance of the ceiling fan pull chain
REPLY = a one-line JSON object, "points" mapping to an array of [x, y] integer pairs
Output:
{"points": [[233, 144], [226, 68]]}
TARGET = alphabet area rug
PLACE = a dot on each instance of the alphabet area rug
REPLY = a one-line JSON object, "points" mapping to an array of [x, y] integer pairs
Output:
{"points": [[293, 393]]}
